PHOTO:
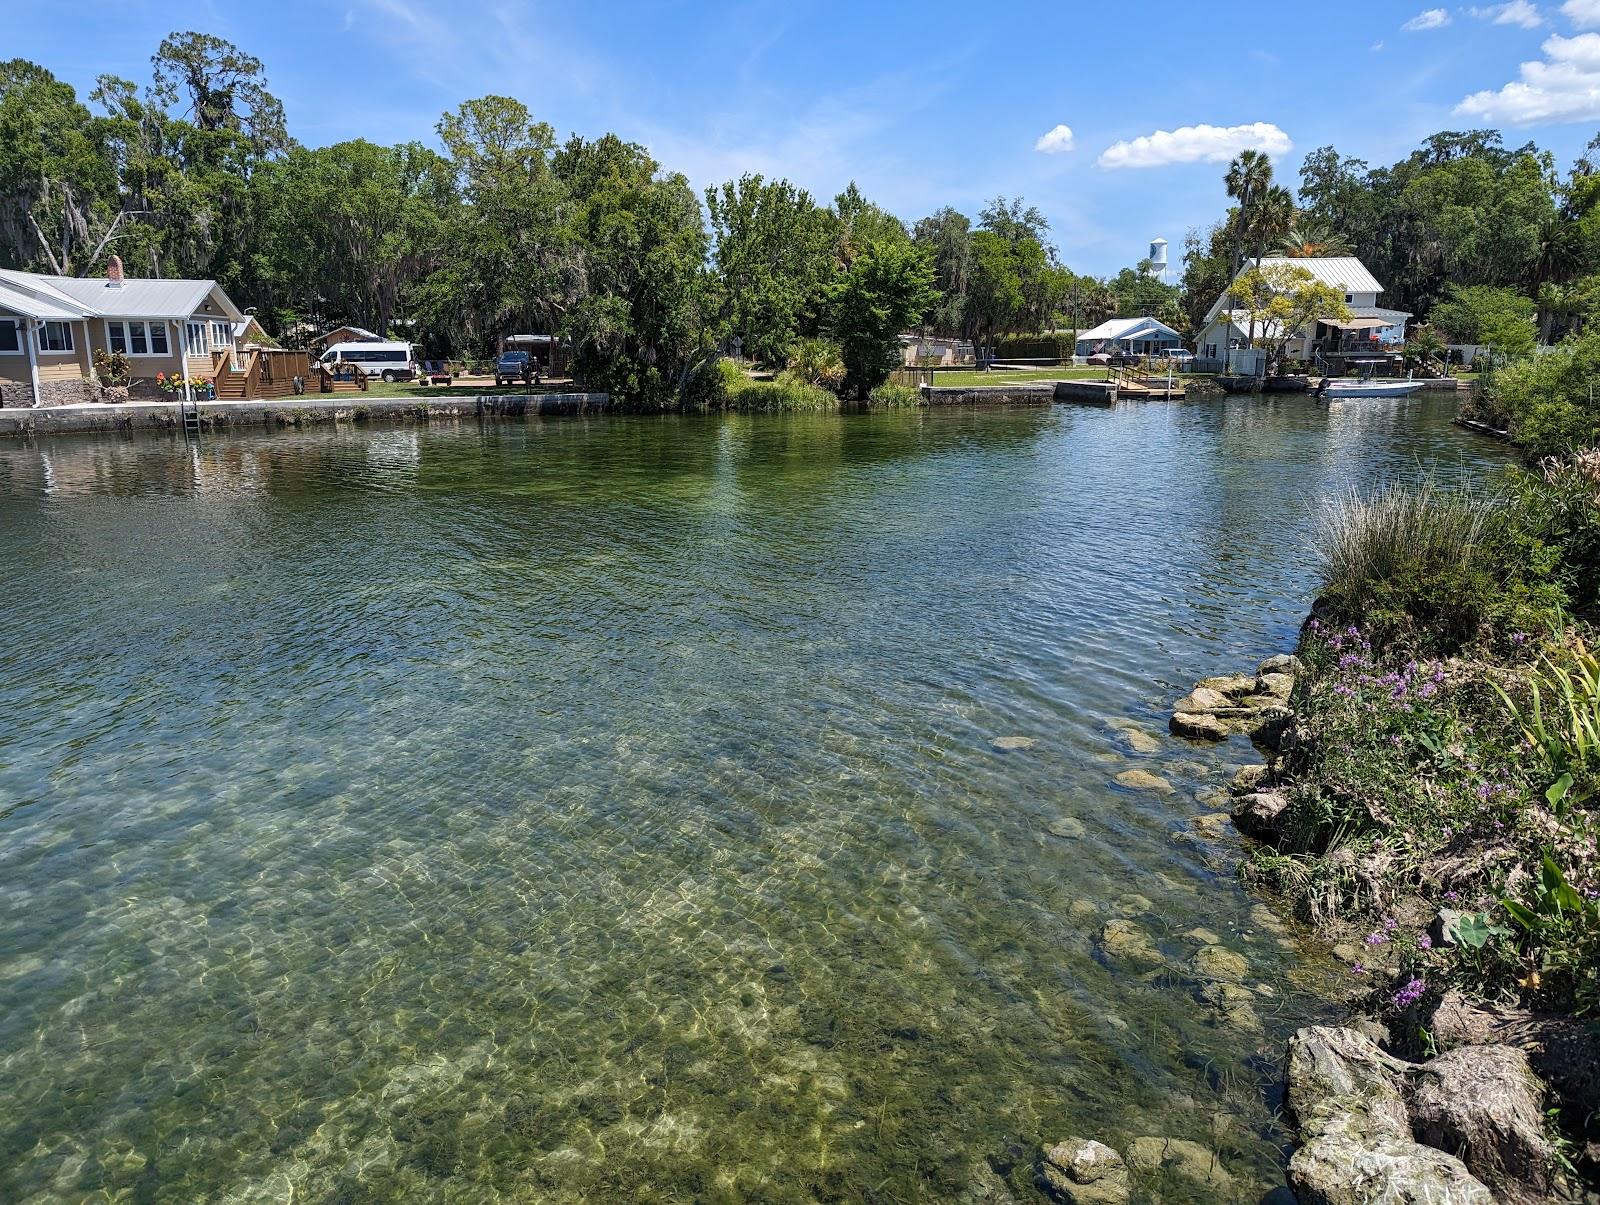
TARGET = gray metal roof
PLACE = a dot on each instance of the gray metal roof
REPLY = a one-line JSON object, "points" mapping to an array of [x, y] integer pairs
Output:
{"points": [[98, 297], [36, 304], [1343, 272]]}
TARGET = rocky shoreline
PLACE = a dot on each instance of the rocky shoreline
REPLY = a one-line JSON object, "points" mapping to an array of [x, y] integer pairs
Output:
{"points": [[1468, 1124]]}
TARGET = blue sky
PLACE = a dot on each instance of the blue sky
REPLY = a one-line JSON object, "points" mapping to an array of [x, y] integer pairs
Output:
{"points": [[922, 104]]}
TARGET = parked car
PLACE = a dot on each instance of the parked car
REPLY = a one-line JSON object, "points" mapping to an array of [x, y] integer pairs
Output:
{"points": [[1125, 358], [514, 368], [1177, 356], [1100, 359]]}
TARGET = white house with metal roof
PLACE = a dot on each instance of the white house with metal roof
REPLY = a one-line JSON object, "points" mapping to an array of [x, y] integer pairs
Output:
{"points": [[1227, 329], [1142, 336], [52, 326]]}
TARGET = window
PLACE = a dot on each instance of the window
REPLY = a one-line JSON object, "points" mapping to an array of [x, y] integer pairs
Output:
{"points": [[10, 337], [55, 336], [117, 337], [221, 335], [137, 338], [158, 338], [197, 339]]}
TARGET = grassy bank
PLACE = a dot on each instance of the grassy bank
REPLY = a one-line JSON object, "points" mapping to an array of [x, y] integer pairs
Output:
{"points": [[1442, 770]]}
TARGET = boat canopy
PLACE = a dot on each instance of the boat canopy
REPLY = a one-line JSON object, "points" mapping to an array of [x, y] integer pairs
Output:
{"points": [[1356, 324]]}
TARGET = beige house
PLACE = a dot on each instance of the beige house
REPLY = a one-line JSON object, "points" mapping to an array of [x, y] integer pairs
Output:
{"points": [[51, 327]]}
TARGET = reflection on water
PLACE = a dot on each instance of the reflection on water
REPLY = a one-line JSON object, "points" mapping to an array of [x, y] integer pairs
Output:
{"points": [[607, 808]]}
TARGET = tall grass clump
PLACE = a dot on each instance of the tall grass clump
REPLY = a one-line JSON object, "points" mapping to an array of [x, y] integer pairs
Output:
{"points": [[817, 362], [724, 385], [1430, 569], [889, 396]]}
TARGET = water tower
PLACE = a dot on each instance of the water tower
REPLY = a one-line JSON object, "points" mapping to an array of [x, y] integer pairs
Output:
{"points": [[1158, 259]]}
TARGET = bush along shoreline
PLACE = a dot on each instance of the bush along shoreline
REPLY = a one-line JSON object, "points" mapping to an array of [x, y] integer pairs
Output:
{"points": [[1429, 806]]}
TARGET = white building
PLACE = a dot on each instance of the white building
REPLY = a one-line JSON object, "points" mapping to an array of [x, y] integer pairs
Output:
{"points": [[1142, 336], [1369, 327]]}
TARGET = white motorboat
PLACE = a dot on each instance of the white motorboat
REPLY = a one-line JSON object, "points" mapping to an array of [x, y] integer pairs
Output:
{"points": [[1368, 387]]}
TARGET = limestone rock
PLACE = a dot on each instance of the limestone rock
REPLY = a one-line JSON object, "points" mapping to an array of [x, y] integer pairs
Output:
{"points": [[1357, 1147], [1068, 827], [1235, 1003], [1281, 664], [1213, 824], [1268, 727], [1189, 1161], [1013, 744], [1275, 686], [1483, 1105], [1261, 814], [1203, 699], [1338, 1081], [1219, 962], [1247, 779], [1086, 1172], [1143, 780], [1125, 941], [1235, 686], [1140, 741], [1198, 726], [1335, 1169]]}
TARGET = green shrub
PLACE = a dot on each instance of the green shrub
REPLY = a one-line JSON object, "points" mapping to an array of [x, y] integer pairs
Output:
{"points": [[1548, 401], [1432, 570], [889, 396], [817, 361]]}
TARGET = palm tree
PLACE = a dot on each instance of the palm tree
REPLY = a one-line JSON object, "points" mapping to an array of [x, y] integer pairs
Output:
{"points": [[1249, 176], [1309, 238]]}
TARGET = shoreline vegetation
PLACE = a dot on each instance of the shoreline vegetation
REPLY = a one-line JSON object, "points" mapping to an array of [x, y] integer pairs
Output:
{"points": [[1429, 808]]}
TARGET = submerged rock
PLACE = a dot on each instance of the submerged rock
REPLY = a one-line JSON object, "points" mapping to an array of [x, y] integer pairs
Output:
{"points": [[1069, 827], [1213, 824], [1198, 726], [1334, 1169], [1235, 1003], [1085, 1172], [1483, 1105], [1181, 1158], [1219, 962], [1138, 740], [1012, 744], [1143, 780], [1125, 941]]}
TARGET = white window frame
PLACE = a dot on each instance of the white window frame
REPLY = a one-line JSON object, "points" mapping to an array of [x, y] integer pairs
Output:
{"points": [[147, 332], [20, 325], [69, 347], [198, 343]]}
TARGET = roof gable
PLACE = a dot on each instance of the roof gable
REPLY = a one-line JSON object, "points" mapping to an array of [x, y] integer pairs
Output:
{"points": [[1122, 328], [1343, 272]]}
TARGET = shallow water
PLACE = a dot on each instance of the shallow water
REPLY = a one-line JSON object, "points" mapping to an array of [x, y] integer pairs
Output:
{"points": [[606, 809]]}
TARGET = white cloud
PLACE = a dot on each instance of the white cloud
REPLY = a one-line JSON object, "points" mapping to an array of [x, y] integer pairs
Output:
{"points": [[1377, 46], [1515, 12], [1055, 141], [1195, 144], [1563, 86], [1585, 14], [1431, 18]]}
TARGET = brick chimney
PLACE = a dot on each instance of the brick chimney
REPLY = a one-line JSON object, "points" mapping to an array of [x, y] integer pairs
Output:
{"points": [[114, 273]]}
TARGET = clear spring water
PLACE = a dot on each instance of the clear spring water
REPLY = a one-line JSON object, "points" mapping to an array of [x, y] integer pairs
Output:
{"points": [[606, 810]]}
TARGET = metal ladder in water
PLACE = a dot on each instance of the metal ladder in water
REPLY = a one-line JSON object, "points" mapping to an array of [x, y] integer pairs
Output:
{"points": [[189, 409]]}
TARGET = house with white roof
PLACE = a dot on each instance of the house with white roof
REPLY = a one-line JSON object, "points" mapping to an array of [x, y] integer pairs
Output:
{"points": [[1369, 327], [1142, 336], [52, 326]]}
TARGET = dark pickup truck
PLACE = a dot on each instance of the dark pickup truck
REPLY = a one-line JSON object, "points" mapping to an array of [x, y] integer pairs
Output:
{"points": [[514, 368]]}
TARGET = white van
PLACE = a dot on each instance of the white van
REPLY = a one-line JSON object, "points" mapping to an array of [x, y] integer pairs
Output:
{"points": [[391, 361]]}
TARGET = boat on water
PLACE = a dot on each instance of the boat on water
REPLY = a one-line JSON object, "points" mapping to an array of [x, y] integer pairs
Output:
{"points": [[1368, 388], [1367, 385]]}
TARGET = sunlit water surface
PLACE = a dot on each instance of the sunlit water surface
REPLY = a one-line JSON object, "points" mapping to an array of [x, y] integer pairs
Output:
{"points": [[607, 809]]}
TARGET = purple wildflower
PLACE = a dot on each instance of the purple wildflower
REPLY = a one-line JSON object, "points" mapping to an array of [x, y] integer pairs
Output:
{"points": [[1424, 942], [1452, 896], [1409, 994]]}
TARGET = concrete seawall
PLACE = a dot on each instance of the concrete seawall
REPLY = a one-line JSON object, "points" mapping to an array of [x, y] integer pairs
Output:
{"points": [[289, 412], [990, 395]]}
